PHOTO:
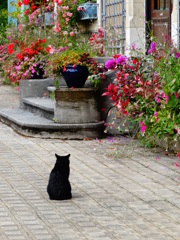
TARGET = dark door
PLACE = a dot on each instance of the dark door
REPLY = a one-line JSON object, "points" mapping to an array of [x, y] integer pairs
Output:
{"points": [[160, 16]]}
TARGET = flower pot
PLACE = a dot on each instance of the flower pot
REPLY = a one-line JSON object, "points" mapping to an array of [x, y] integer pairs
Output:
{"points": [[38, 75], [75, 76], [88, 11]]}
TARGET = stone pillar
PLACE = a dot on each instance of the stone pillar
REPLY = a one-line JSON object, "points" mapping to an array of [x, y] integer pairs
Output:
{"points": [[77, 106], [135, 24], [175, 22]]}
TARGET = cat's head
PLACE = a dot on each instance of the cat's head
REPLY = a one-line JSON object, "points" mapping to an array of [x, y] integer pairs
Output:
{"points": [[62, 160]]}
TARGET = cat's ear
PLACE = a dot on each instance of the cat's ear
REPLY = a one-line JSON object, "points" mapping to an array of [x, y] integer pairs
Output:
{"points": [[56, 155], [68, 155]]}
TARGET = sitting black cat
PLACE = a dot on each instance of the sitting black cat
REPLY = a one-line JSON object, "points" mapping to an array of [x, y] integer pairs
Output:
{"points": [[59, 187]]}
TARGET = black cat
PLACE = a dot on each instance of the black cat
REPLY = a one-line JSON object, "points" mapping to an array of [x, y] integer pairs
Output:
{"points": [[59, 187]]}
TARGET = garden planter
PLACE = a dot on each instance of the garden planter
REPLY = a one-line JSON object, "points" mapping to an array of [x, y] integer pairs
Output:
{"points": [[76, 106], [39, 75], [75, 76], [88, 11]]}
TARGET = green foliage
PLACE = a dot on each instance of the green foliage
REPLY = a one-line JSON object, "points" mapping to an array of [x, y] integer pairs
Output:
{"points": [[3, 4], [3, 20]]}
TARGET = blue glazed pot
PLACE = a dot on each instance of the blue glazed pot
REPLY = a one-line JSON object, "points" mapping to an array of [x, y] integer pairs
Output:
{"points": [[75, 76]]}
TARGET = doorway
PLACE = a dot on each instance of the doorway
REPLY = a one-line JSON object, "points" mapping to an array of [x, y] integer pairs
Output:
{"points": [[159, 17]]}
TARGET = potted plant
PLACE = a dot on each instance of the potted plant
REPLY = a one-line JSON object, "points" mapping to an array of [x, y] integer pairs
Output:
{"points": [[74, 66]]}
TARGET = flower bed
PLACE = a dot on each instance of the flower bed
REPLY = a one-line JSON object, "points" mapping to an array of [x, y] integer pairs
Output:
{"points": [[146, 90]]}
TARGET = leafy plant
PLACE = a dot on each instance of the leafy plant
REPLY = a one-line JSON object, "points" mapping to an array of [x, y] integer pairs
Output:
{"points": [[60, 60]]}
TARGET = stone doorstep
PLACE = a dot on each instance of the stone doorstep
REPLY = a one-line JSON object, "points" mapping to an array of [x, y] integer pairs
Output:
{"points": [[43, 107], [46, 104], [28, 124]]}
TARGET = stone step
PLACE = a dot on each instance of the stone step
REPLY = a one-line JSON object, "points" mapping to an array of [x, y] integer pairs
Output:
{"points": [[43, 107], [51, 89], [30, 124]]}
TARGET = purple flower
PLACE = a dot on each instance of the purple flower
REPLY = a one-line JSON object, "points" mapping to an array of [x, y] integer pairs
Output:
{"points": [[8, 37], [110, 64], [133, 46], [121, 60], [152, 48], [177, 55]]}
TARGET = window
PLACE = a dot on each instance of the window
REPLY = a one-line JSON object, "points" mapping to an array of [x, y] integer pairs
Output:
{"points": [[161, 4]]}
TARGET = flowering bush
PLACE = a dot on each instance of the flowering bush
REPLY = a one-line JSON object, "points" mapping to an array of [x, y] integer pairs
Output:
{"points": [[27, 57], [26, 61], [147, 88], [51, 47], [96, 43]]}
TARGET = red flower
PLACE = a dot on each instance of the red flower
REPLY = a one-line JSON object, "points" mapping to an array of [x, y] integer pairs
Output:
{"points": [[26, 12], [10, 48], [33, 7], [176, 95], [47, 49], [26, 2], [19, 56], [19, 4]]}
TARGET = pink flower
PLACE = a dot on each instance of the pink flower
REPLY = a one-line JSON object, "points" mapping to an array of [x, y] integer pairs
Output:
{"points": [[152, 48], [176, 164], [65, 8], [162, 95], [110, 64], [178, 154], [143, 128], [78, 9], [71, 34], [177, 55], [155, 114], [133, 46], [121, 60], [157, 119], [157, 100], [69, 14], [167, 98], [56, 28]]}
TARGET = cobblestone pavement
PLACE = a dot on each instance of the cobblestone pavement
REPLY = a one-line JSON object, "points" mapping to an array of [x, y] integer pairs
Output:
{"points": [[120, 190]]}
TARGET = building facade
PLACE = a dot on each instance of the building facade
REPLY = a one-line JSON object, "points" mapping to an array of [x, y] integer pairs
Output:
{"points": [[131, 19], [137, 17]]}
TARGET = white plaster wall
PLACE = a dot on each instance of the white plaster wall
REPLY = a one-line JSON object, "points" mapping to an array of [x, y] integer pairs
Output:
{"points": [[135, 24]]}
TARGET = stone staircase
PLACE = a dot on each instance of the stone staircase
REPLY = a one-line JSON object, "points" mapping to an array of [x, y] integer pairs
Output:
{"points": [[35, 115]]}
